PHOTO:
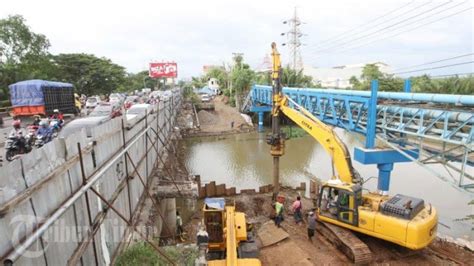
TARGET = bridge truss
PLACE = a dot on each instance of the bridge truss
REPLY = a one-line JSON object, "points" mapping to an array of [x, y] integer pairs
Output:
{"points": [[439, 129]]}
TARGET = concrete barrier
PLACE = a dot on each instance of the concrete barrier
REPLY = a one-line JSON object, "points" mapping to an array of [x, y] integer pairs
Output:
{"points": [[38, 185]]}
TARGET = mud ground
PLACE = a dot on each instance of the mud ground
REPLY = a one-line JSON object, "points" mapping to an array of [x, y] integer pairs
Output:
{"points": [[298, 250]]}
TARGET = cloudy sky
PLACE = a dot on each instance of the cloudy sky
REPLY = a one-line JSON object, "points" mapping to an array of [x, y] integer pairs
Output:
{"points": [[197, 33]]}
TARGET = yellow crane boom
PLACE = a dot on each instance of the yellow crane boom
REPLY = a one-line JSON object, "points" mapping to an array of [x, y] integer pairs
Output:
{"points": [[400, 219]]}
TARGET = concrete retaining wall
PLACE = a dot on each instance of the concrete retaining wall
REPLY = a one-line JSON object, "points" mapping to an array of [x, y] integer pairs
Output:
{"points": [[37, 185]]}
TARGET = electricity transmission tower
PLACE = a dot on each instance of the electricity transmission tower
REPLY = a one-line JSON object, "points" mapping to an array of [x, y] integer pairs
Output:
{"points": [[293, 41]]}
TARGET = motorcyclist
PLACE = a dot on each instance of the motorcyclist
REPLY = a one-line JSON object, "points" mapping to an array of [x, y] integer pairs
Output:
{"points": [[37, 120], [44, 131], [57, 116], [18, 132]]}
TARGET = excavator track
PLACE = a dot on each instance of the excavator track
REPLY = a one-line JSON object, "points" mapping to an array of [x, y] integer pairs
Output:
{"points": [[347, 242]]}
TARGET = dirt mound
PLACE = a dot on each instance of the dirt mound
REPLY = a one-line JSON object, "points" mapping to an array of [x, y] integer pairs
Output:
{"points": [[207, 118]]}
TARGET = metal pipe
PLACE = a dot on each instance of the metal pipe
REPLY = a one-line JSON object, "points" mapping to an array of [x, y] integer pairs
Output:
{"points": [[423, 97], [20, 249]]}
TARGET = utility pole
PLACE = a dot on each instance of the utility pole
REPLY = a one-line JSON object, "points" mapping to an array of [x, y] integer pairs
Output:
{"points": [[293, 41]]}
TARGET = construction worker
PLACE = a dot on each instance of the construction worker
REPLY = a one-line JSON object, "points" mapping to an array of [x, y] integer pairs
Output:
{"points": [[202, 242], [311, 225], [278, 213], [296, 208], [179, 226]]}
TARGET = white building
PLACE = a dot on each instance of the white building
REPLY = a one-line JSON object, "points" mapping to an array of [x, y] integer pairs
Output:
{"points": [[213, 84], [338, 76]]}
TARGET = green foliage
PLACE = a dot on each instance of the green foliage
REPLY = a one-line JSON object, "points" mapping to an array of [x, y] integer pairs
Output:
{"points": [[90, 74], [23, 54], [293, 78], [227, 92], [4, 103], [263, 78], [136, 81], [242, 78], [218, 73], [198, 82], [187, 89], [18, 44], [232, 101], [294, 132], [451, 85], [387, 82], [144, 254], [370, 72]]}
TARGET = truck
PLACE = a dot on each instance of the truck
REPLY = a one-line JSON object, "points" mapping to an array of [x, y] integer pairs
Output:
{"points": [[41, 97]]}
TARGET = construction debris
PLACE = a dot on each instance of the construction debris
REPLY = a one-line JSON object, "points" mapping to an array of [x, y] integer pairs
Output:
{"points": [[270, 234]]}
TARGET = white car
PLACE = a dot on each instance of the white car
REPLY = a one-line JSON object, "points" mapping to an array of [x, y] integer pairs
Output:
{"points": [[92, 102], [137, 112], [205, 98]]}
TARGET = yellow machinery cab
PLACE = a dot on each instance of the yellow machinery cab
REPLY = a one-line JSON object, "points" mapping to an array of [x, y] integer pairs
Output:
{"points": [[228, 239], [400, 219]]}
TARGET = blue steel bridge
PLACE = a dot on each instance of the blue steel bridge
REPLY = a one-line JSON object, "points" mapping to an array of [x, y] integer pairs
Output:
{"points": [[412, 127]]}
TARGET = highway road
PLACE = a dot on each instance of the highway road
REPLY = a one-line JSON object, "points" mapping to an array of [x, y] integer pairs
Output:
{"points": [[7, 127]]}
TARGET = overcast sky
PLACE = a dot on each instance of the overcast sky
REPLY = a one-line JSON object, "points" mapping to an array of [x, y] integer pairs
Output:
{"points": [[197, 33]]}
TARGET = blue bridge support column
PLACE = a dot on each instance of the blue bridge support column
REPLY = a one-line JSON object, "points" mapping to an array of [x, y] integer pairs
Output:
{"points": [[407, 86], [260, 121], [260, 110], [385, 170], [383, 158]]}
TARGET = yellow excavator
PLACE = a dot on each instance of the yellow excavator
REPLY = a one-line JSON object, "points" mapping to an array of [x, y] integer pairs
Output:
{"points": [[228, 240], [406, 221]]}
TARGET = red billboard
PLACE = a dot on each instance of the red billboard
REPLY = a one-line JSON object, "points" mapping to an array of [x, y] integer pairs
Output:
{"points": [[163, 70]]}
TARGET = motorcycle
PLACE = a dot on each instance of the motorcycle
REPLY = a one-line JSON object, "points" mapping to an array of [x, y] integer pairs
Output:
{"points": [[39, 142], [55, 126], [14, 146], [31, 134], [42, 139]]}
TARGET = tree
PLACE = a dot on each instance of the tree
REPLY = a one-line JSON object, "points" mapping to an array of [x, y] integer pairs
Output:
{"points": [[18, 44], [293, 78], [370, 72], [23, 54], [263, 78], [220, 74], [90, 74], [135, 81], [354, 82], [242, 78]]}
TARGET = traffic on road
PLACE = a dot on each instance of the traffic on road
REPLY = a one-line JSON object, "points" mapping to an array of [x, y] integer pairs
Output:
{"points": [[31, 127]]}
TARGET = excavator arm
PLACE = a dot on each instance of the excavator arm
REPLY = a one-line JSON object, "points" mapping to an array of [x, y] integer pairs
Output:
{"points": [[340, 156], [324, 135]]}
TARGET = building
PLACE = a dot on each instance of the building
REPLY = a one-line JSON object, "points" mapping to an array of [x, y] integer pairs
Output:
{"points": [[338, 76], [207, 68]]}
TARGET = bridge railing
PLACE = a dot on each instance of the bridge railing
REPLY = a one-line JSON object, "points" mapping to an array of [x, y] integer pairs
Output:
{"points": [[440, 127], [349, 111]]}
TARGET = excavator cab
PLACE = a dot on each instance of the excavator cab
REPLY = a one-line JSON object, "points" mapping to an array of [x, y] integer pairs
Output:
{"points": [[340, 202], [229, 242]]}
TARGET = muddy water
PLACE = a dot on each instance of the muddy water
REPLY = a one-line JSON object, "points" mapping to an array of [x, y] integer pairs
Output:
{"points": [[244, 161]]}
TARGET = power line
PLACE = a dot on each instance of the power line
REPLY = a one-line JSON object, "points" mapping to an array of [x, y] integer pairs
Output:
{"points": [[451, 75], [409, 30], [392, 25], [363, 25], [431, 68], [433, 62]]}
